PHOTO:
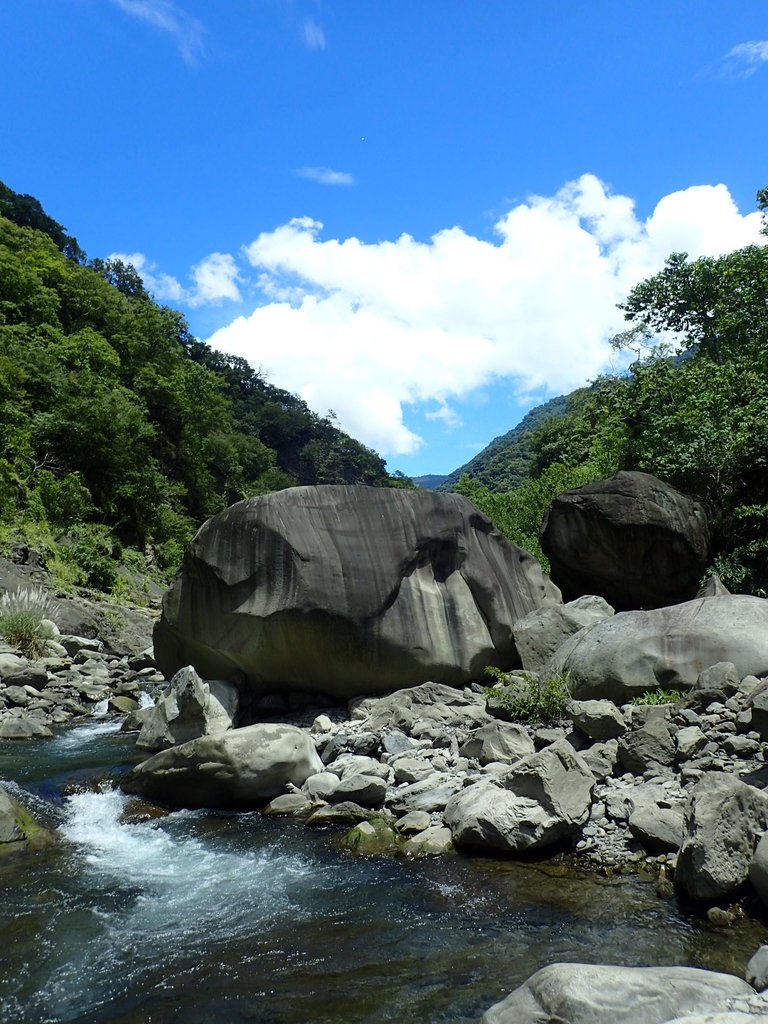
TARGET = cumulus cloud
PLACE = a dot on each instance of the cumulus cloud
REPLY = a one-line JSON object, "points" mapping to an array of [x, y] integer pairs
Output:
{"points": [[373, 329], [314, 36], [214, 279], [325, 176], [746, 58], [169, 17]]}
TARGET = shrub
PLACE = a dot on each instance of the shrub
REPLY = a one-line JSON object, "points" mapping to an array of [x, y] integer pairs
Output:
{"points": [[660, 696], [22, 615], [524, 698]]}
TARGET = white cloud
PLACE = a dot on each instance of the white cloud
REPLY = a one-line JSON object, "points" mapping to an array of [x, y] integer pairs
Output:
{"points": [[368, 329], [169, 17], [214, 279], [325, 176], [746, 58], [314, 36]]}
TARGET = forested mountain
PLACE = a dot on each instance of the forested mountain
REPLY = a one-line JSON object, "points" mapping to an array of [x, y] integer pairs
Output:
{"points": [[119, 432], [506, 461], [699, 421]]}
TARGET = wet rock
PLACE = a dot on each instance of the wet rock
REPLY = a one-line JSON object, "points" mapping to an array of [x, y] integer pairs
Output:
{"points": [[288, 804], [189, 708], [242, 767], [347, 813], [371, 838], [366, 790], [18, 829], [413, 823], [432, 842]]}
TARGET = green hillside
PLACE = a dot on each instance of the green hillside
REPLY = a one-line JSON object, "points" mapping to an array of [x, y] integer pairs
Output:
{"points": [[119, 432]]}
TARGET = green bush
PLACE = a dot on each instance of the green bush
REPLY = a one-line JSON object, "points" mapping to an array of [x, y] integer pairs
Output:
{"points": [[524, 698], [660, 696], [22, 615]]}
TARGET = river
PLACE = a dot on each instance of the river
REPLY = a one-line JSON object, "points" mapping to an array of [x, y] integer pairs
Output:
{"points": [[203, 918]]}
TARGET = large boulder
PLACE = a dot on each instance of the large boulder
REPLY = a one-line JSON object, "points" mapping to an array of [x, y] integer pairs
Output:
{"points": [[632, 539], [592, 994], [423, 711], [623, 657], [242, 768], [724, 818], [348, 590]]}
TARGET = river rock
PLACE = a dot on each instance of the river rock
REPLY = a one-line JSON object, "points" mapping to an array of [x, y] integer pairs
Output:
{"points": [[597, 719], [423, 710], [18, 829], [540, 800], [348, 591], [499, 741], [757, 970], [653, 744], [432, 842], [655, 820], [633, 652], [430, 794], [724, 818], [189, 708], [542, 631], [631, 539], [242, 767], [366, 790], [591, 994]]}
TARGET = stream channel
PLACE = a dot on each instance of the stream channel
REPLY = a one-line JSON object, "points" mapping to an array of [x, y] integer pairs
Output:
{"points": [[206, 917]]}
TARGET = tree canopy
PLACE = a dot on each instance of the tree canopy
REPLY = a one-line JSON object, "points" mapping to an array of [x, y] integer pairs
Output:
{"points": [[116, 424]]}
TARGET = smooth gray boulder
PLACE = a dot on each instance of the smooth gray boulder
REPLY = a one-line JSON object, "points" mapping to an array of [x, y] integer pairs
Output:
{"points": [[633, 652], [631, 538], [591, 994], [542, 631], [243, 767], [539, 801], [499, 741], [724, 818], [347, 591], [189, 708]]}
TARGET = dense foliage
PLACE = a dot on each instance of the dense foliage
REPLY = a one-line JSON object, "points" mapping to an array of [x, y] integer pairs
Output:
{"points": [[698, 420], [119, 433]]}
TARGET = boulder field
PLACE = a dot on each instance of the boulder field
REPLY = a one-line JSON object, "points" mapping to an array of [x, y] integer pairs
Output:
{"points": [[348, 591]]}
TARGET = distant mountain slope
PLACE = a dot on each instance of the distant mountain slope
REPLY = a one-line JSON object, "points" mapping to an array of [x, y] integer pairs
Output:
{"points": [[430, 482], [504, 463]]}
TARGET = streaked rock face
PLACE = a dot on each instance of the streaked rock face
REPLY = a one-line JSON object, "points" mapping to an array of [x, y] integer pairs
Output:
{"points": [[347, 591]]}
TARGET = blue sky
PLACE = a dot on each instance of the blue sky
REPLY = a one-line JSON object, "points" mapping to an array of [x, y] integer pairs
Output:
{"points": [[417, 213]]}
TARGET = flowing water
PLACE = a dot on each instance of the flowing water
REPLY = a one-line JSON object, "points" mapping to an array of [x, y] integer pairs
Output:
{"points": [[203, 918]]}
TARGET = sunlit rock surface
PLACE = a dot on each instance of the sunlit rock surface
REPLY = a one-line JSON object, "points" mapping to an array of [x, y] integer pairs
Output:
{"points": [[348, 590]]}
